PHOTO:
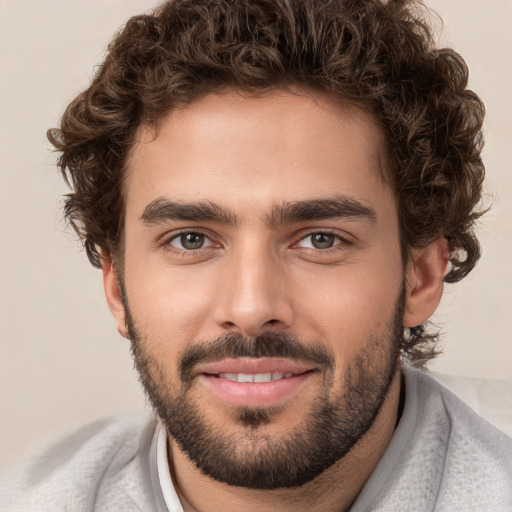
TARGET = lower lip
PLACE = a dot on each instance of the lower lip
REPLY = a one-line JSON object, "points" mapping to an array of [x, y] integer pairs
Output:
{"points": [[254, 394]]}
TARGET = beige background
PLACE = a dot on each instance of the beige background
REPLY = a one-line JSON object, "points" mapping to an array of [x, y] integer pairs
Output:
{"points": [[62, 362]]}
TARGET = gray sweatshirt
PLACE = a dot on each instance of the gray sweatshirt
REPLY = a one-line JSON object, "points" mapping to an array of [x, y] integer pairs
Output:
{"points": [[442, 457]]}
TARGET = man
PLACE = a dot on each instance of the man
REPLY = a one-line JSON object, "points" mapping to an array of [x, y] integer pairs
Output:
{"points": [[275, 192]]}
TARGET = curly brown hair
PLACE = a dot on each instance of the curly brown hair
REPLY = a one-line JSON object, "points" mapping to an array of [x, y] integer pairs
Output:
{"points": [[380, 55]]}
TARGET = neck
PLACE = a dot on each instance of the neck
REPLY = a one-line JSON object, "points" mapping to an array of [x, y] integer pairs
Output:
{"points": [[333, 491]]}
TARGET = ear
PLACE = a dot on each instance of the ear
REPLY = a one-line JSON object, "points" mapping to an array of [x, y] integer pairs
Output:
{"points": [[113, 294], [424, 281]]}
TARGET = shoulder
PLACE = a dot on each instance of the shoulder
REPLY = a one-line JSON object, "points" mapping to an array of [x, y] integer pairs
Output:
{"points": [[456, 416], [73, 472], [442, 457], [474, 458]]}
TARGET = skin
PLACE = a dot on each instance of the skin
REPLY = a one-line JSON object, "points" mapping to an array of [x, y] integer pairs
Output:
{"points": [[249, 156]]}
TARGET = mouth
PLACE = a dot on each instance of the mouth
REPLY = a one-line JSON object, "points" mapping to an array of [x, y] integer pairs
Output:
{"points": [[254, 377], [247, 382]]}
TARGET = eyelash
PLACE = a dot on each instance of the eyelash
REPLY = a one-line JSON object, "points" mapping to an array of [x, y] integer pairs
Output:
{"points": [[340, 242], [166, 242]]}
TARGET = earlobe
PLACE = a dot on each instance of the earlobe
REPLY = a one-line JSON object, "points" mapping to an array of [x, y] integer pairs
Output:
{"points": [[424, 281], [113, 294]]}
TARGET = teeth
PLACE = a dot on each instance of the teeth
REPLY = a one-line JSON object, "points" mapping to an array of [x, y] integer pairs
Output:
{"points": [[229, 376], [256, 377], [262, 377]]}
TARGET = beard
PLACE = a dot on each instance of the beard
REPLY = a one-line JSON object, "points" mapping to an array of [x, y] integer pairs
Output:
{"points": [[337, 420]]}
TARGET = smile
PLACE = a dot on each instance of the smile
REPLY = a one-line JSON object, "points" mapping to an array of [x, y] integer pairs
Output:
{"points": [[254, 382], [257, 377]]}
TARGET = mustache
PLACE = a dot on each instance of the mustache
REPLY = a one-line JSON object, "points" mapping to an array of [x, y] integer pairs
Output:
{"points": [[235, 345]]}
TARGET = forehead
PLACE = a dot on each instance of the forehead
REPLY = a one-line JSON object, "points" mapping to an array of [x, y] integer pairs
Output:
{"points": [[243, 151]]}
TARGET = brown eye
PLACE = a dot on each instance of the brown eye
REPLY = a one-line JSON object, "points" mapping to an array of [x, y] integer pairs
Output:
{"points": [[190, 241]]}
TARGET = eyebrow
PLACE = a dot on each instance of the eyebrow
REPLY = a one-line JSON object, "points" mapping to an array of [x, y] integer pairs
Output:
{"points": [[161, 210], [318, 209]]}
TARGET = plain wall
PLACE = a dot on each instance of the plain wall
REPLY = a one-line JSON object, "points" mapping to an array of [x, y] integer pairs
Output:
{"points": [[62, 362]]}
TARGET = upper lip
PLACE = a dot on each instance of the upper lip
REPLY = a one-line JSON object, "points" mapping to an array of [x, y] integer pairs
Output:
{"points": [[248, 365]]}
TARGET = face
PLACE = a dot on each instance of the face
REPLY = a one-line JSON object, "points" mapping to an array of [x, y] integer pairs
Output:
{"points": [[263, 281]]}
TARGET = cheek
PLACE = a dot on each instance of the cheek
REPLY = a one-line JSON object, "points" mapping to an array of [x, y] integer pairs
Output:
{"points": [[350, 305], [168, 302]]}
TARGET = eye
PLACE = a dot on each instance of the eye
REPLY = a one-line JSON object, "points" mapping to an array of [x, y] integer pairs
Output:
{"points": [[320, 241], [189, 241]]}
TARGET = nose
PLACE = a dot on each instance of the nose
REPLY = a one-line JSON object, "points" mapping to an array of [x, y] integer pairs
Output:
{"points": [[252, 296]]}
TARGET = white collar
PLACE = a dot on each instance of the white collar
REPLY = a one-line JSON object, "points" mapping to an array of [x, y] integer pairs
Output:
{"points": [[171, 499]]}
